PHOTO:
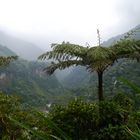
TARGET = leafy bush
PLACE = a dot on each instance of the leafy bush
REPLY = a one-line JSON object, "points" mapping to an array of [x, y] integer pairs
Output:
{"points": [[101, 121], [116, 132], [10, 107], [78, 119]]}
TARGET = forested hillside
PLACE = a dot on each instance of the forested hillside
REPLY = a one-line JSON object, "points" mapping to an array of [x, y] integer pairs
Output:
{"points": [[30, 83], [135, 35], [4, 51], [60, 79], [27, 79]]}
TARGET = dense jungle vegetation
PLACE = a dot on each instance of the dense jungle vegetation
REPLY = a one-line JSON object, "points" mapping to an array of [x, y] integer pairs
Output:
{"points": [[101, 105]]}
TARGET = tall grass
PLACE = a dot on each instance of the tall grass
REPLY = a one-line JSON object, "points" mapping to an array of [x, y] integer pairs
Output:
{"points": [[39, 135], [135, 134]]}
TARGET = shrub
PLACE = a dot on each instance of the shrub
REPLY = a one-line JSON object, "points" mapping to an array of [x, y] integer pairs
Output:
{"points": [[78, 119], [83, 121]]}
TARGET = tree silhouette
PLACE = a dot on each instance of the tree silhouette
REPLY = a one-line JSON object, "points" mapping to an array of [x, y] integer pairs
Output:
{"points": [[96, 58]]}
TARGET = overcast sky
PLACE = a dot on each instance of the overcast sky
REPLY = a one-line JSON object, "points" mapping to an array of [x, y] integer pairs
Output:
{"points": [[76, 21]]}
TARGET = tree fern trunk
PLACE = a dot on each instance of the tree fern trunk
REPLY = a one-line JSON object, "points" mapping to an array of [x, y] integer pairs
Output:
{"points": [[100, 85], [12, 137]]}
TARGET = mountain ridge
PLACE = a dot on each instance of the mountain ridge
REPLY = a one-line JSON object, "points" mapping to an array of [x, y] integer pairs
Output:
{"points": [[4, 51], [114, 39], [22, 48]]}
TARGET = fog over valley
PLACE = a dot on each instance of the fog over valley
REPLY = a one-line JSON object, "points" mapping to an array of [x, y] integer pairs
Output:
{"points": [[69, 69], [51, 21]]}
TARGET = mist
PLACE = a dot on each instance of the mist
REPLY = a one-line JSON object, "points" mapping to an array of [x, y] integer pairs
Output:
{"points": [[43, 22]]}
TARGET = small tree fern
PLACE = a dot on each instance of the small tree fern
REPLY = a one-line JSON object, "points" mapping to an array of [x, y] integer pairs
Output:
{"points": [[96, 58]]}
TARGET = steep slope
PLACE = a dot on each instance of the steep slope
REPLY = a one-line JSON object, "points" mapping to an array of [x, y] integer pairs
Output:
{"points": [[22, 48], [4, 51], [113, 40], [77, 77], [27, 80]]}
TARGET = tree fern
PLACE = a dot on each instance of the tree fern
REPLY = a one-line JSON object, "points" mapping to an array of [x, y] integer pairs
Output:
{"points": [[95, 58]]}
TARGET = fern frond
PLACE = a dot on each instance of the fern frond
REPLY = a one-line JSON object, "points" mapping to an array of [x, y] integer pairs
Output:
{"points": [[127, 49], [64, 51], [94, 58], [100, 53], [62, 65], [6, 60]]}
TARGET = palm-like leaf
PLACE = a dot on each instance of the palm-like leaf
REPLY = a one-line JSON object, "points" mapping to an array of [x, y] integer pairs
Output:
{"points": [[99, 58], [69, 54], [62, 65], [95, 58], [64, 51], [127, 49]]}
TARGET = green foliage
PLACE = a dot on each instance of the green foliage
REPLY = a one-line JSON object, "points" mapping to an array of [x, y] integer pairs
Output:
{"points": [[82, 83], [96, 58], [134, 127], [19, 123], [112, 113], [135, 119], [87, 120], [31, 130], [5, 60], [135, 134], [135, 91], [10, 107], [124, 101], [77, 119], [52, 125], [27, 80], [131, 85], [111, 132]]}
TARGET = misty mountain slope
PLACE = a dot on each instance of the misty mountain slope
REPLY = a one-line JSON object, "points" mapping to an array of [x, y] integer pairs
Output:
{"points": [[4, 51], [27, 80], [116, 38], [62, 74], [77, 77], [23, 49]]}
